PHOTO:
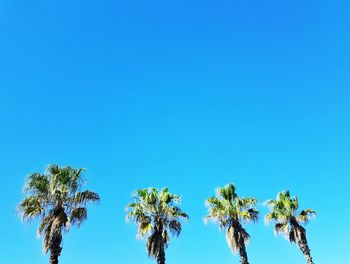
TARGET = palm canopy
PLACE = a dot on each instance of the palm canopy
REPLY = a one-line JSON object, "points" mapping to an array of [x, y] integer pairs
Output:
{"points": [[228, 210], [56, 198], [156, 212], [288, 221]]}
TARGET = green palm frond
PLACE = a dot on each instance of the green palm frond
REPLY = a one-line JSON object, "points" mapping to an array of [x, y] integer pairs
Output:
{"points": [[31, 207], [305, 215], [78, 216], [145, 227], [246, 203], [81, 198], [249, 215], [37, 184]]}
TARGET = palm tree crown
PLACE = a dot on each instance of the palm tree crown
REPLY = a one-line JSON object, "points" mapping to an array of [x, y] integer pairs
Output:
{"points": [[288, 221], [55, 197], [156, 212], [228, 210]]}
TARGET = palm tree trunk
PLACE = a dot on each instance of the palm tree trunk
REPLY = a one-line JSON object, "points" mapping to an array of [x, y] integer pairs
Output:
{"points": [[54, 254], [304, 247], [53, 258], [302, 241], [243, 254], [239, 232], [161, 256], [55, 250]]}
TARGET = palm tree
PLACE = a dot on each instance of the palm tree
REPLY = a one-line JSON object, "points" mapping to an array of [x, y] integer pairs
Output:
{"points": [[284, 212], [228, 210], [56, 199], [156, 213]]}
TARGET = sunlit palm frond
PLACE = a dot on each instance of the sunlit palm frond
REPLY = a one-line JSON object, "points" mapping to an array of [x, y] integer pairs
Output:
{"points": [[37, 184], [31, 207]]}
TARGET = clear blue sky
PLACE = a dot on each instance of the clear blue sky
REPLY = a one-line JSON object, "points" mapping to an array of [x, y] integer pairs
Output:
{"points": [[186, 94]]}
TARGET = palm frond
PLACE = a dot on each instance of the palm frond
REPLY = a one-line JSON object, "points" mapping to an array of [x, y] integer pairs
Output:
{"points": [[47, 220], [305, 215], [282, 228], [231, 238], [37, 184], [249, 215], [31, 208], [81, 198], [175, 227], [78, 216], [145, 227]]}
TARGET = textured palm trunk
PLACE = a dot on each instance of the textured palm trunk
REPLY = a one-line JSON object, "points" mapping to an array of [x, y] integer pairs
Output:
{"points": [[242, 249], [161, 256], [306, 250], [54, 254], [302, 240], [53, 258], [55, 250], [243, 254]]}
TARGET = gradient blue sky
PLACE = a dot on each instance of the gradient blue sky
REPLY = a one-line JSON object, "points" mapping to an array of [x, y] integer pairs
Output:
{"points": [[186, 94]]}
